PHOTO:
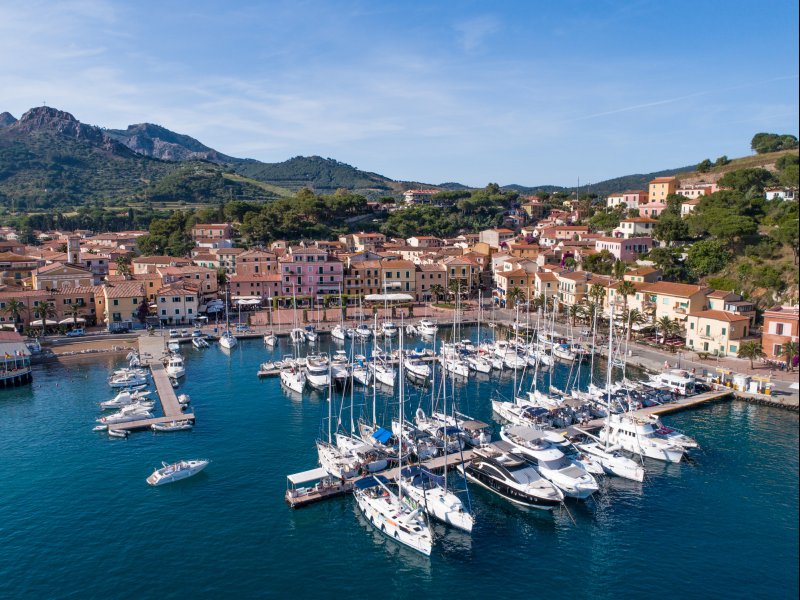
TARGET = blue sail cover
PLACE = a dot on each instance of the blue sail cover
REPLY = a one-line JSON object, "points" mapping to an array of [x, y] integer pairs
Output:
{"points": [[382, 435], [368, 482]]}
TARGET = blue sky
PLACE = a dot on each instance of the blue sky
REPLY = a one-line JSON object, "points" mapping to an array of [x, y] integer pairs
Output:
{"points": [[509, 92]]}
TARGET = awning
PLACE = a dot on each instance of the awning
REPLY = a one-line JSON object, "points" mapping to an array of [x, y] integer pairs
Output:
{"points": [[8, 326], [247, 300], [38, 323], [388, 297], [71, 321], [305, 476], [382, 435]]}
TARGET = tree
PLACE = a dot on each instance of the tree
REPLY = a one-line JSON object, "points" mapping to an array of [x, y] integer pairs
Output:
{"points": [[744, 180], [123, 264], [625, 289], [437, 291], [48, 313], [635, 317], [601, 263], [513, 296], [619, 269], [670, 228], [74, 311], [772, 142], [708, 256], [143, 311], [704, 166], [14, 308], [575, 312], [667, 326], [597, 293], [722, 161], [454, 287], [222, 278], [751, 349], [787, 234], [789, 350]]}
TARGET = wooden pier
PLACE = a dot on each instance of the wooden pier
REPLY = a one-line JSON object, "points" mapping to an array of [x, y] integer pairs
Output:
{"points": [[151, 351]]}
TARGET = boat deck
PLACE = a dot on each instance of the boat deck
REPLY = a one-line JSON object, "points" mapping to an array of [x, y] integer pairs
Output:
{"points": [[393, 362], [316, 494]]}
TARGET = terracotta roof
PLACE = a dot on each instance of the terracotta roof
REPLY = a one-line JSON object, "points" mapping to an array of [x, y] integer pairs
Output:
{"points": [[719, 315], [641, 271], [546, 276], [12, 257], [155, 260], [721, 294], [668, 288], [57, 265], [10, 336], [219, 251], [178, 287], [431, 267], [124, 289], [663, 179]]}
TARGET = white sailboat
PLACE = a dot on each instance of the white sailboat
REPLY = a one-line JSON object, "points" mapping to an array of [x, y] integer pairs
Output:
{"points": [[388, 512], [227, 339]]}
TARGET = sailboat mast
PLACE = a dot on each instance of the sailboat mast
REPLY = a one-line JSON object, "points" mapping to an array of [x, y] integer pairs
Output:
{"points": [[608, 372], [401, 380]]}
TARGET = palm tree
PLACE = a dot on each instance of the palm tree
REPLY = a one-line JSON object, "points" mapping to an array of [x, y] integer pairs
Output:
{"points": [[619, 269], [667, 327], [48, 313], [74, 311], [752, 350], [597, 293], [789, 350], [625, 289], [455, 288], [437, 291], [14, 308], [513, 296], [575, 312], [635, 317]]}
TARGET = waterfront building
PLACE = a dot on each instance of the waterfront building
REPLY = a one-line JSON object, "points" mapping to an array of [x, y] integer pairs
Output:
{"points": [[717, 332], [15, 359], [732, 303], [118, 304], [506, 281], [258, 261], [781, 324], [465, 270], [16, 269], [426, 276], [227, 258], [261, 285], [56, 276], [177, 303], [643, 275]]}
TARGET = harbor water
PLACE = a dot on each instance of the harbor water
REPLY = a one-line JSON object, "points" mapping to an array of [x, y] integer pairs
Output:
{"points": [[77, 519]]}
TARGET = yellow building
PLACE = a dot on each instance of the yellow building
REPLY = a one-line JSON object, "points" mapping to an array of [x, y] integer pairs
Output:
{"points": [[661, 187], [716, 331]]}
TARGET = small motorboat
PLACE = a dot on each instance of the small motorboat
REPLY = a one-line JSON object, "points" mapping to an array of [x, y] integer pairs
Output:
{"points": [[174, 347], [183, 399], [100, 428], [199, 343], [176, 471], [184, 425], [118, 433]]}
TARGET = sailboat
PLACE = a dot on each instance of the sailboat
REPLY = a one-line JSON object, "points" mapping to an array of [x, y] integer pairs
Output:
{"points": [[270, 339], [293, 376], [428, 491], [339, 333], [387, 511], [227, 339]]}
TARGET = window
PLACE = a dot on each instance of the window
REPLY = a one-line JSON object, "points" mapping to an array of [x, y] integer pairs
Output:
{"points": [[779, 328], [724, 331], [163, 311], [116, 302], [177, 311], [162, 299], [189, 311]]}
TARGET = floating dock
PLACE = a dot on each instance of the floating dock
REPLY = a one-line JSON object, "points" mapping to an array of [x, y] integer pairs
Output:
{"points": [[151, 351]]}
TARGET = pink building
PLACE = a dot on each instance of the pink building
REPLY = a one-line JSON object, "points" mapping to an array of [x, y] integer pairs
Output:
{"points": [[652, 209], [634, 198], [625, 250], [310, 273]]}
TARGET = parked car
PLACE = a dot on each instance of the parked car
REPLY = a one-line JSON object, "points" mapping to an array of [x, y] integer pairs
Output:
{"points": [[173, 333], [77, 332]]}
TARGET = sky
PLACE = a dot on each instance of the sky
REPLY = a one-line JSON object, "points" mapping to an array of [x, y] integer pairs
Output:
{"points": [[532, 93]]}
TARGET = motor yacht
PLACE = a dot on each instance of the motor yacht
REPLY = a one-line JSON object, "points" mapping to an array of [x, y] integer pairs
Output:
{"points": [[132, 412], [294, 378], [124, 398], [177, 471], [199, 343], [175, 367], [183, 425], [638, 436], [427, 327], [385, 511], [500, 470], [389, 329], [612, 461], [569, 476], [317, 371]]}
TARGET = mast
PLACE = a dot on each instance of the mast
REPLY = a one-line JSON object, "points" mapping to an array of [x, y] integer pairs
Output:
{"points": [[480, 308], [401, 381], [608, 374]]}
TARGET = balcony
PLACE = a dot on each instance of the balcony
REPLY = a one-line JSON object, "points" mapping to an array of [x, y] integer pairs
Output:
{"points": [[680, 310]]}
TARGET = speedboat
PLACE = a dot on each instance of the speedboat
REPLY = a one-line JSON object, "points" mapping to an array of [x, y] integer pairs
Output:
{"points": [[567, 475], [427, 327], [270, 339], [673, 436], [340, 367], [127, 378], [172, 426], [175, 367], [132, 412], [389, 329], [124, 398], [317, 372], [426, 491], [385, 511], [612, 461], [228, 340], [177, 471], [199, 343], [500, 470]]}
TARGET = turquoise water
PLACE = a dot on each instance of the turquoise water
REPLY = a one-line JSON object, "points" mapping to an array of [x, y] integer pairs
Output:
{"points": [[77, 519]]}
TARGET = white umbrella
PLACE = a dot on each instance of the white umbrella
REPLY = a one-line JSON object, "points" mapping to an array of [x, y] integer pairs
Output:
{"points": [[70, 321], [38, 323]]}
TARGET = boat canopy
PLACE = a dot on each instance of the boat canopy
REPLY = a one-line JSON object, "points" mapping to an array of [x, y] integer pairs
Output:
{"points": [[306, 476], [368, 482], [382, 435], [449, 430], [388, 297], [474, 425]]}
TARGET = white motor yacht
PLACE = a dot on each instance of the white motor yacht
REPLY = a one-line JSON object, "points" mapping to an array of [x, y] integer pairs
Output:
{"points": [[177, 471], [612, 462], [199, 343], [389, 329], [425, 491], [427, 327], [128, 379], [317, 371], [568, 475], [638, 436], [132, 412], [385, 511], [124, 398], [673, 436], [183, 425], [175, 367]]}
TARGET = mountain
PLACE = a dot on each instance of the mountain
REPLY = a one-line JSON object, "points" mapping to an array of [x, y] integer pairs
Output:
{"points": [[157, 142], [50, 159], [7, 119]]}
